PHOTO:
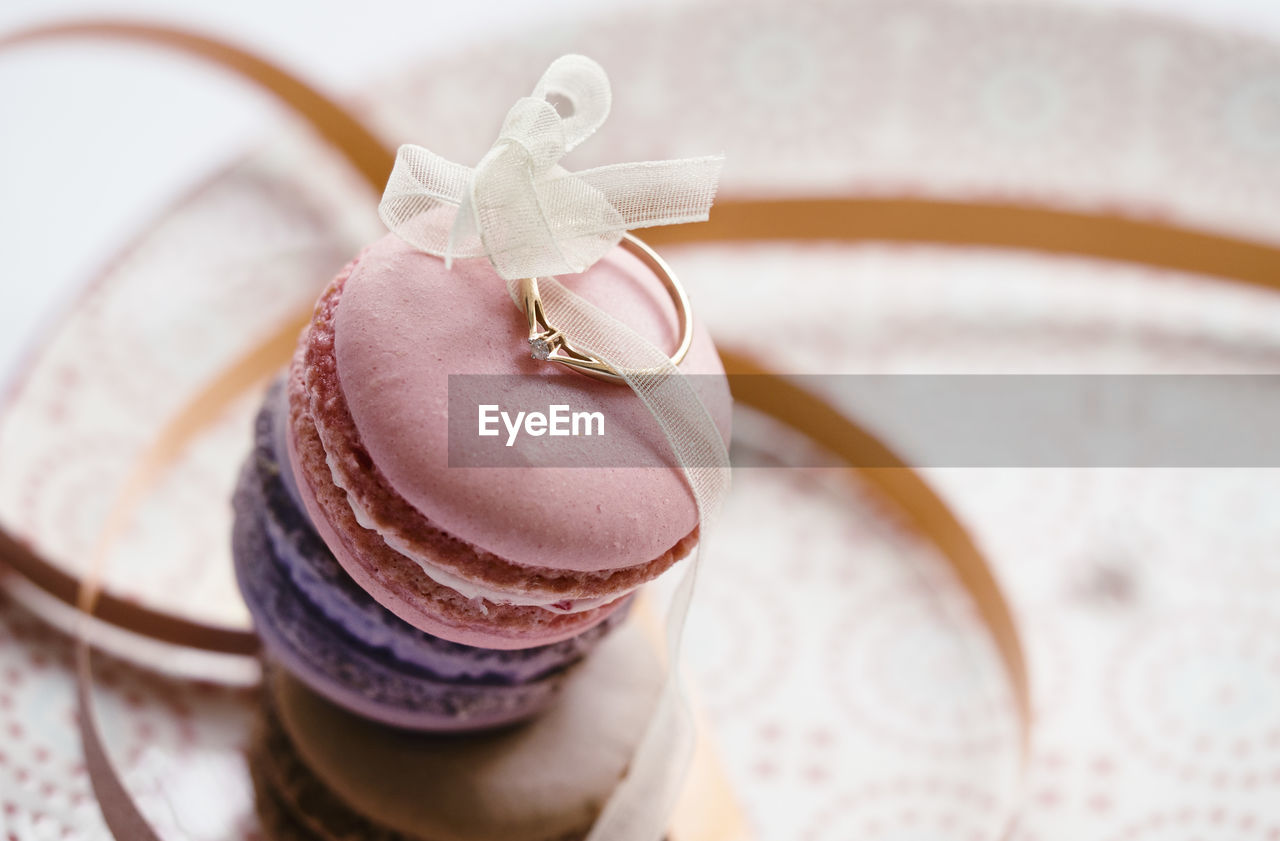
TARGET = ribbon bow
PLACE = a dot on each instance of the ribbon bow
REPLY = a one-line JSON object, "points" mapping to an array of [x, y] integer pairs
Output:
{"points": [[520, 208]]}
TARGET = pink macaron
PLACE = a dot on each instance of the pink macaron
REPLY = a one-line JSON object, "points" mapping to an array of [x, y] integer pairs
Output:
{"points": [[501, 557]]}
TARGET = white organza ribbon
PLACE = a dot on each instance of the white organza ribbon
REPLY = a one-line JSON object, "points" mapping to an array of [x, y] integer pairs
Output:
{"points": [[642, 804], [520, 208], [532, 218]]}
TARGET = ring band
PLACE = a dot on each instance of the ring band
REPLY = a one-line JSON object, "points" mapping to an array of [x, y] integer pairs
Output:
{"points": [[548, 344]]}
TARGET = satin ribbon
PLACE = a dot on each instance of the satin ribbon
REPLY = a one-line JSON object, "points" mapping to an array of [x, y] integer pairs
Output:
{"points": [[523, 211]]}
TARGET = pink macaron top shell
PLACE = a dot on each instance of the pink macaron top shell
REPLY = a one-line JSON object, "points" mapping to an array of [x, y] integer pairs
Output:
{"points": [[405, 323]]}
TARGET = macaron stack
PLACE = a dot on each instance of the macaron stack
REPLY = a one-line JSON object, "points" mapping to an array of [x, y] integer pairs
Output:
{"points": [[441, 598], [317, 623]]}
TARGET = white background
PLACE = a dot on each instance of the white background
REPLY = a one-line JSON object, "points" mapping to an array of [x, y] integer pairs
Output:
{"points": [[86, 156]]}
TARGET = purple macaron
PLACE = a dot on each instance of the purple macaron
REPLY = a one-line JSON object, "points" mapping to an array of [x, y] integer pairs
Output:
{"points": [[317, 623]]}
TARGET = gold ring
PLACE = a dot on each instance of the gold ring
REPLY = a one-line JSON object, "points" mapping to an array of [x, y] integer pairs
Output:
{"points": [[548, 344]]}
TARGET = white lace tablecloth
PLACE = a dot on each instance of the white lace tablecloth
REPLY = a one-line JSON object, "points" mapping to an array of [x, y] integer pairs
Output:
{"points": [[853, 693]]}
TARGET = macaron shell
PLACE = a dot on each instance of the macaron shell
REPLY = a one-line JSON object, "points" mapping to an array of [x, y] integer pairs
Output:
{"points": [[292, 805], [405, 323], [538, 781], [406, 535]]}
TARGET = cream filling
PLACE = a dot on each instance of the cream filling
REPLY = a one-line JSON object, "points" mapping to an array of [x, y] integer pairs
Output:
{"points": [[463, 586]]}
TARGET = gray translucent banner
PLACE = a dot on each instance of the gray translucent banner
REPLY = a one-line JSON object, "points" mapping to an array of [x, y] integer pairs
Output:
{"points": [[1200, 420]]}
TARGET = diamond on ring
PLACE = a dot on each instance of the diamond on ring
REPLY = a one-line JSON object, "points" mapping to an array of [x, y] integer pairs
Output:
{"points": [[539, 348]]}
